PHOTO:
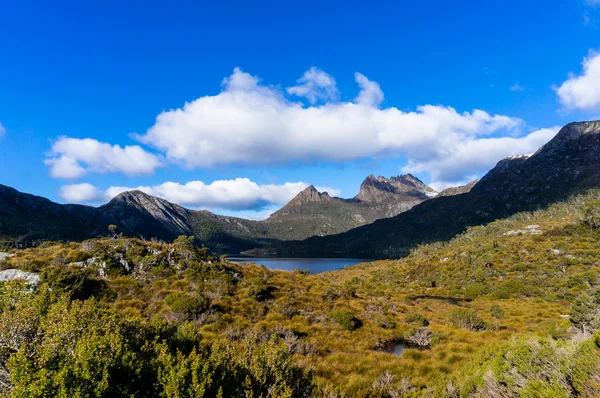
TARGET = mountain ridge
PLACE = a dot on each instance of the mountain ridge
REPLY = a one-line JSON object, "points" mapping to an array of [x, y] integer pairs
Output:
{"points": [[27, 219], [566, 165]]}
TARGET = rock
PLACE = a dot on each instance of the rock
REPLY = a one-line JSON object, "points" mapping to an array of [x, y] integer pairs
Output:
{"points": [[4, 255], [405, 187], [14, 274], [458, 190]]}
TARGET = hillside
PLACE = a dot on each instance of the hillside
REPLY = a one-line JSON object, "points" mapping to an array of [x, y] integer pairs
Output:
{"points": [[500, 310], [568, 164]]}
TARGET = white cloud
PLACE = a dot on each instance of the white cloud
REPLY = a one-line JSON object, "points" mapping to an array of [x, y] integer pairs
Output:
{"points": [[583, 91], [315, 85], [81, 193], [2, 130], [238, 194], [248, 123], [466, 158], [516, 87], [73, 158], [370, 92]]}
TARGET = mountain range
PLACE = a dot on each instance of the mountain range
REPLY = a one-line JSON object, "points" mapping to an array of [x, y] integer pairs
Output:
{"points": [[28, 220], [384, 220]]}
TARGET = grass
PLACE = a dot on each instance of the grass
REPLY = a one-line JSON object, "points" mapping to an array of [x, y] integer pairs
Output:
{"points": [[533, 279]]}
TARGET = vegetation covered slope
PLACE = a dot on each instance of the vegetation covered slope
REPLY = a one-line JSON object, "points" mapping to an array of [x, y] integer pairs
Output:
{"points": [[507, 309]]}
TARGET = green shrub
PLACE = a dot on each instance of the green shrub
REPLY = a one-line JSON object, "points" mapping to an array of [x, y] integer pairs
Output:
{"points": [[416, 319], [258, 289], [585, 313], [76, 281], [591, 214], [345, 319], [496, 311], [466, 318], [186, 304]]}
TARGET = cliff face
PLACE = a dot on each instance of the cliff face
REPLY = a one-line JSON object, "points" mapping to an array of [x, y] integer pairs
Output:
{"points": [[401, 188], [458, 190]]}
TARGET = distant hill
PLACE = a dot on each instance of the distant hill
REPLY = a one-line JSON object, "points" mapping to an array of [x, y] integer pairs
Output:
{"points": [[568, 164]]}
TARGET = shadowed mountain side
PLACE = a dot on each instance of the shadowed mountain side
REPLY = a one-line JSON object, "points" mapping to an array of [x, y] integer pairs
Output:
{"points": [[568, 164]]}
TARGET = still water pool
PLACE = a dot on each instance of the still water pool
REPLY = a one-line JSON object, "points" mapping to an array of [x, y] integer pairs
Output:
{"points": [[313, 265]]}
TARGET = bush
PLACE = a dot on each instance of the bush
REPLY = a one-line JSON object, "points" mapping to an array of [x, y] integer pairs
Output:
{"points": [[420, 337], [77, 282], [258, 289], [496, 311], [186, 304], [466, 318], [585, 313], [591, 214], [416, 319], [345, 319]]}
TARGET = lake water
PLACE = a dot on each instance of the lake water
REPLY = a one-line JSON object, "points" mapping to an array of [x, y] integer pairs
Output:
{"points": [[313, 265]]}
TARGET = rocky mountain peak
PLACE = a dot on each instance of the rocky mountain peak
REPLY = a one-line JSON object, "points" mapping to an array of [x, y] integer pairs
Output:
{"points": [[310, 194], [133, 196], [380, 189], [571, 134], [132, 206]]}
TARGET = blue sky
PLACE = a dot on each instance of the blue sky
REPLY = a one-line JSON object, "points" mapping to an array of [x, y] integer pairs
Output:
{"points": [[282, 94]]}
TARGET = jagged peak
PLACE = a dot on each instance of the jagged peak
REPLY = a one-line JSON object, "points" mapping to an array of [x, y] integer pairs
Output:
{"points": [[376, 189], [310, 194]]}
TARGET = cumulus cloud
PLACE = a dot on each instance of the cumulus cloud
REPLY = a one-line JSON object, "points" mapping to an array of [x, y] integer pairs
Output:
{"points": [[249, 123], [582, 91], [81, 193], [73, 158], [315, 85], [448, 167], [237, 194]]}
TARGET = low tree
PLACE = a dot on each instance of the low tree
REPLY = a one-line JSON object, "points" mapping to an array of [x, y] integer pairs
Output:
{"points": [[112, 228], [585, 314]]}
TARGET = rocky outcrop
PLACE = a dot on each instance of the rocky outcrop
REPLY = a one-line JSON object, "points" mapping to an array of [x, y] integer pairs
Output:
{"points": [[382, 190], [308, 195], [458, 190], [30, 278]]}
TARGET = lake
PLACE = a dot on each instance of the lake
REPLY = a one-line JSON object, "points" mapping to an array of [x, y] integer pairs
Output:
{"points": [[313, 265]]}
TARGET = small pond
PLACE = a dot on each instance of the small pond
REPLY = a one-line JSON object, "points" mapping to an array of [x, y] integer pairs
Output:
{"points": [[397, 347]]}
